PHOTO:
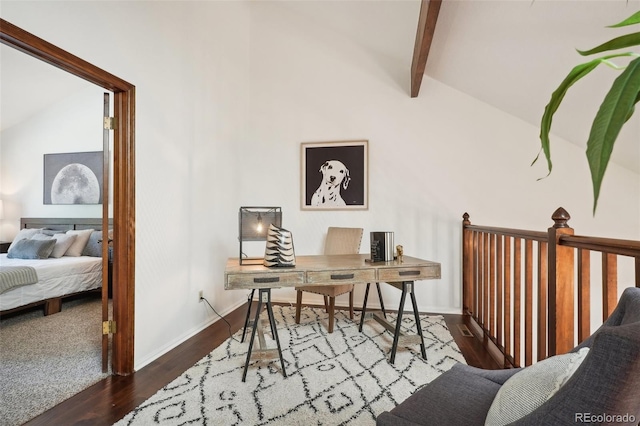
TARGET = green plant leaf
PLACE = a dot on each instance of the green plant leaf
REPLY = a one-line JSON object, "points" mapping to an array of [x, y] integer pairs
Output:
{"points": [[631, 20], [574, 75], [633, 108], [621, 42], [612, 114]]}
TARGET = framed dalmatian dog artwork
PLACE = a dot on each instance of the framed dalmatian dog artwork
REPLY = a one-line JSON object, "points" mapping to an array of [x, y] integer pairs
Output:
{"points": [[335, 175]]}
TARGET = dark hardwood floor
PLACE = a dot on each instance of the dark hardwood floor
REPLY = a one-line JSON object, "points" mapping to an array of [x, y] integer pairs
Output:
{"points": [[111, 399]]}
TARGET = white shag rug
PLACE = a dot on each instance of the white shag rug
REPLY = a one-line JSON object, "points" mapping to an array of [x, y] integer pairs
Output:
{"points": [[332, 379]]}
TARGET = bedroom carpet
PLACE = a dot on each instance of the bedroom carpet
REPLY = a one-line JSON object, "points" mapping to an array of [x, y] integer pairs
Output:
{"points": [[45, 360], [333, 379]]}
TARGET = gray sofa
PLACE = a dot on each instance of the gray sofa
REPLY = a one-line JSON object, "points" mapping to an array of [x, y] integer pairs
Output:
{"points": [[606, 383]]}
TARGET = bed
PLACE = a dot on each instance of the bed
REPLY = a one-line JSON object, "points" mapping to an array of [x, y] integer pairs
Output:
{"points": [[57, 278]]}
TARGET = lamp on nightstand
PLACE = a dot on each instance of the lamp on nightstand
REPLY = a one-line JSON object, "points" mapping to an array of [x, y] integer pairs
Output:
{"points": [[254, 223]]}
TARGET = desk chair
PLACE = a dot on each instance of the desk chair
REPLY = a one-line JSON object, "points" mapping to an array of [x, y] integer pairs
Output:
{"points": [[339, 241]]}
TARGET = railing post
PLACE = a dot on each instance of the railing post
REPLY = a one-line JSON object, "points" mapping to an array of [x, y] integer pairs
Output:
{"points": [[467, 266], [561, 286]]}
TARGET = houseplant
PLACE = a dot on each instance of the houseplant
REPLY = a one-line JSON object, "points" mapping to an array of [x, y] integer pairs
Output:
{"points": [[616, 108]]}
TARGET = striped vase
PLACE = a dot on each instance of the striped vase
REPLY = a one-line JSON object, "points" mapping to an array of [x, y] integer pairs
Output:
{"points": [[279, 251]]}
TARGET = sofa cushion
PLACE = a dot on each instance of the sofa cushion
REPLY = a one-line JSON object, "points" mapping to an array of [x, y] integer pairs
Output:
{"points": [[608, 381], [533, 386], [456, 397]]}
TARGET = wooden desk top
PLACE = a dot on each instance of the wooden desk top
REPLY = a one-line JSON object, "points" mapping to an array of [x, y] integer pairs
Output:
{"points": [[322, 270]]}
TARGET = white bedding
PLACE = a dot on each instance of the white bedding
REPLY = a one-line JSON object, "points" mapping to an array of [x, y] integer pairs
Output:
{"points": [[56, 277]]}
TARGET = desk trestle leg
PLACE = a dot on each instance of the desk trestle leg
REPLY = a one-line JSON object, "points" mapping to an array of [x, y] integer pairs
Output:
{"points": [[364, 305], [263, 352], [398, 336]]}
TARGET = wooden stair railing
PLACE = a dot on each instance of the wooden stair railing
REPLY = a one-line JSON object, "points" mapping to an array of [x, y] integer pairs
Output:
{"points": [[519, 287]]}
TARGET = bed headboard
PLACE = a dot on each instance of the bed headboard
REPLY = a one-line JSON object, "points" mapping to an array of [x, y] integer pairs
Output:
{"points": [[63, 224]]}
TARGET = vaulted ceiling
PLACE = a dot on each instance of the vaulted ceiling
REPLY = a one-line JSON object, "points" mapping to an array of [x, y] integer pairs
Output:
{"points": [[510, 54], [513, 54]]}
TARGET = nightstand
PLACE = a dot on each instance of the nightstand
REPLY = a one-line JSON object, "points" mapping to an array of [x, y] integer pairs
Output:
{"points": [[4, 246]]}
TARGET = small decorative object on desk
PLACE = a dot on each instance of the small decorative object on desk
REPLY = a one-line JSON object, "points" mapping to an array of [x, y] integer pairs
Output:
{"points": [[400, 251], [381, 246], [279, 250]]}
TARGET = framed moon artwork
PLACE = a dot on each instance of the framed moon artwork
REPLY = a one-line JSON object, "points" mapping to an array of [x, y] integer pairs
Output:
{"points": [[73, 178], [334, 175]]}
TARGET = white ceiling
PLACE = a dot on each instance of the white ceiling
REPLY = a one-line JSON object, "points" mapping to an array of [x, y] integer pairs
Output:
{"points": [[513, 55], [510, 54], [28, 85]]}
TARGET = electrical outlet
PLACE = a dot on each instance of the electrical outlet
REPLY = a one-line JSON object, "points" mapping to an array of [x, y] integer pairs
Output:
{"points": [[200, 295]]}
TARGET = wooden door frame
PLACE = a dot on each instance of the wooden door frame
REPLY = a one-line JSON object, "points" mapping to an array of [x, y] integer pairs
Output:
{"points": [[123, 180]]}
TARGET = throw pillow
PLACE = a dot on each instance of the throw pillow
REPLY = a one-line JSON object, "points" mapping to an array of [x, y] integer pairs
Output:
{"points": [[63, 243], [531, 387], [80, 243], [41, 237], [25, 234], [94, 247], [31, 249]]}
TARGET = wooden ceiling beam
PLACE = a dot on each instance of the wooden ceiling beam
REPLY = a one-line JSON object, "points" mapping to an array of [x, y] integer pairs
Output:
{"points": [[429, 10]]}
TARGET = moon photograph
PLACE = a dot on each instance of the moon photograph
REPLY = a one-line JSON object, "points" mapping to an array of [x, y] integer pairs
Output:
{"points": [[73, 178]]}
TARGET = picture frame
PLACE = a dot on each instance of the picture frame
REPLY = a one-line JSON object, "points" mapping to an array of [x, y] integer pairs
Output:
{"points": [[335, 175], [73, 178]]}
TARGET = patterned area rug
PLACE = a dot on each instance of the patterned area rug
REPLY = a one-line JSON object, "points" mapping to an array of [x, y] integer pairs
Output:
{"points": [[333, 379]]}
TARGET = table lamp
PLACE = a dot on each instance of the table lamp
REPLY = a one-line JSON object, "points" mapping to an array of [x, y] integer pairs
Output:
{"points": [[254, 224]]}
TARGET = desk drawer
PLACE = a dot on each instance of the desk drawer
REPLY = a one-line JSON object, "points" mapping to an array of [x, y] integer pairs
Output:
{"points": [[341, 277], [409, 273], [269, 280]]}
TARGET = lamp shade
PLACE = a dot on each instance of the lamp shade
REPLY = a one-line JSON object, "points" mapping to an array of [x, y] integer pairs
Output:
{"points": [[254, 224]]}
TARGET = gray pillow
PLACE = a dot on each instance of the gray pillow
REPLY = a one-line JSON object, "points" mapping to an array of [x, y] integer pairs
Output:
{"points": [[25, 234], [31, 249], [93, 247]]}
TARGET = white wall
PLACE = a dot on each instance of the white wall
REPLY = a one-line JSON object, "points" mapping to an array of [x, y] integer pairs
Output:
{"points": [[227, 91], [73, 124]]}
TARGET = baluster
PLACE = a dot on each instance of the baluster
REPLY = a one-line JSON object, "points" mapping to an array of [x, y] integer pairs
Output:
{"points": [[609, 284], [528, 302], [467, 268], [492, 284], [499, 296], [542, 300], [476, 289], [584, 294], [485, 281], [507, 299], [517, 299]]}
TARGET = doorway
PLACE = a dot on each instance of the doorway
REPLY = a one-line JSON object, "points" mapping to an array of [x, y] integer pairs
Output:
{"points": [[123, 179]]}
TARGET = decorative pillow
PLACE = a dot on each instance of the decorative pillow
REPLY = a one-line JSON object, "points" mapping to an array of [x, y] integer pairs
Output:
{"points": [[41, 237], [25, 234], [31, 249], [94, 246], [63, 243], [80, 243], [531, 387], [52, 232]]}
